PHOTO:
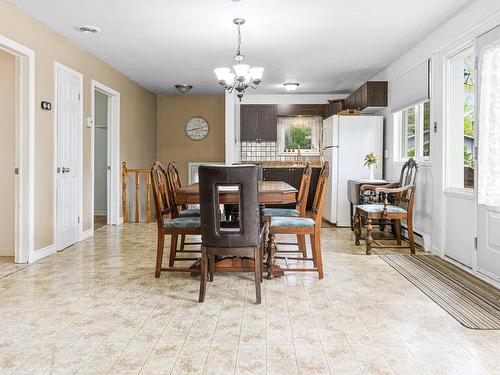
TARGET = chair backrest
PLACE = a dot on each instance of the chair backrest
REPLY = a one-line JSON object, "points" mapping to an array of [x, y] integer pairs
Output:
{"points": [[174, 183], [260, 170], [214, 179], [160, 192], [408, 177], [319, 196], [305, 184]]}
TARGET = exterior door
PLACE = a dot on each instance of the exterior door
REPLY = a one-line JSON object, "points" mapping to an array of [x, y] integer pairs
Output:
{"points": [[69, 123], [488, 218]]}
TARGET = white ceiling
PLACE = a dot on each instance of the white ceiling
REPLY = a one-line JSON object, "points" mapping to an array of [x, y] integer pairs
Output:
{"points": [[328, 46]]}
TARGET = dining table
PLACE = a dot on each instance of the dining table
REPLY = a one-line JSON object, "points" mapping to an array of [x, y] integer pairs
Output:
{"points": [[270, 193]]}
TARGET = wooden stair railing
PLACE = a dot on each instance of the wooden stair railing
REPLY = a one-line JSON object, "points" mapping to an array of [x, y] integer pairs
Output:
{"points": [[136, 172]]}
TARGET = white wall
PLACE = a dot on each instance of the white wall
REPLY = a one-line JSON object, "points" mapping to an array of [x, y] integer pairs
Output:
{"points": [[471, 22], [101, 153], [290, 98]]}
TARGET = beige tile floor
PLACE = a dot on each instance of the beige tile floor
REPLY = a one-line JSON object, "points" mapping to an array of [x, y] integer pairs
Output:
{"points": [[96, 308]]}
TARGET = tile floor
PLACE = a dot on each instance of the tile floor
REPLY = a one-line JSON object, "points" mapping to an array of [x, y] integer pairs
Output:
{"points": [[96, 308]]}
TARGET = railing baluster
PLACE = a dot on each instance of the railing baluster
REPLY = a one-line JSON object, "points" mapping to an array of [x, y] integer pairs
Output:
{"points": [[124, 192], [148, 198], [136, 197]]}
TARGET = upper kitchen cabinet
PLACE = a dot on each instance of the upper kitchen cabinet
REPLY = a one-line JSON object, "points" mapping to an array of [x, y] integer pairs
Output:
{"points": [[258, 123], [373, 94]]}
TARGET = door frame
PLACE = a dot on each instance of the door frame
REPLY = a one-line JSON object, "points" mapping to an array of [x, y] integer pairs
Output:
{"points": [[58, 66], [25, 151], [113, 150]]}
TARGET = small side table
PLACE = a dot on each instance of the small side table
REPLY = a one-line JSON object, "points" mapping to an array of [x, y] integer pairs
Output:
{"points": [[354, 193]]}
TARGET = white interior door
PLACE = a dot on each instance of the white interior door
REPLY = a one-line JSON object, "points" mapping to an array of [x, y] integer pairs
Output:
{"points": [[488, 218], [69, 122]]}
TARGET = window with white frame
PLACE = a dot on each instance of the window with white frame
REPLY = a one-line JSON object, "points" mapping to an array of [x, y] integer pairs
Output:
{"points": [[414, 125], [299, 135]]}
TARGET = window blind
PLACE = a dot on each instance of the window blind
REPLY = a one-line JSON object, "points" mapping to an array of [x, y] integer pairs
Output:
{"points": [[411, 88]]}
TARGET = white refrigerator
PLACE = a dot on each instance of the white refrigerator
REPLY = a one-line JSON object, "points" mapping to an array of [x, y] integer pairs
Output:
{"points": [[346, 141]]}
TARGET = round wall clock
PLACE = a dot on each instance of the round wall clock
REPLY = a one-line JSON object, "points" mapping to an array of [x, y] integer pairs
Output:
{"points": [[197, 128]]}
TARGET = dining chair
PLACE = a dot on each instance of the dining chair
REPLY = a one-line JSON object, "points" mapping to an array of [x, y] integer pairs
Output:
{"points": [[304, 226], [222, 238], [298, 211], [398, 200], [178, 210], [174, 227]]}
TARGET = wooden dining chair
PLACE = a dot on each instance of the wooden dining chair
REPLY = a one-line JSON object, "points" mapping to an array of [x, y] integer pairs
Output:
{"points": [[178, 210], [303, 226], [398, 200], [178, 226], [298, 211], [221, 238]]}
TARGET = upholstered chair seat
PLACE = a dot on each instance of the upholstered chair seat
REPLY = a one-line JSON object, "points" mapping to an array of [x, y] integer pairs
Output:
{"points": [[182, 222], [299, 222], [380, 208], [280, 212]]}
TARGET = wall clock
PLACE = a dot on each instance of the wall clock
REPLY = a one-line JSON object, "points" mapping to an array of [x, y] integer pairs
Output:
{"points": [[197, 128]]}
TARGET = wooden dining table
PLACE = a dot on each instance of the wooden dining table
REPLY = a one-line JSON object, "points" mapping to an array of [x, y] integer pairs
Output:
{"points": [[270, 192]]}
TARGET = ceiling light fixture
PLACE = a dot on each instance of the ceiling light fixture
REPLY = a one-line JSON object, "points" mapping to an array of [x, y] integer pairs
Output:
{"points": [[183, 89], [88, 29], [242, 75], [291, 86]]}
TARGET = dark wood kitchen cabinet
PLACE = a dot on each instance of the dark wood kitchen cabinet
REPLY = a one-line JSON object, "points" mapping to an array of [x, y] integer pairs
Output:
{"points": [[258, 123], [371, 94]]}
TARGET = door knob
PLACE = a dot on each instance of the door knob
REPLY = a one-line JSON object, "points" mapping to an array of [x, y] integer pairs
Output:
{"points": [[65, 170]]}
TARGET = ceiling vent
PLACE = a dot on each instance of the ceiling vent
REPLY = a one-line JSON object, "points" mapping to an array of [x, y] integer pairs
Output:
{"points": [[88, 29]]}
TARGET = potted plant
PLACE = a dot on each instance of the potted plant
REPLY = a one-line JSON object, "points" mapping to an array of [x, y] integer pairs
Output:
{"points": [[370, 160]]}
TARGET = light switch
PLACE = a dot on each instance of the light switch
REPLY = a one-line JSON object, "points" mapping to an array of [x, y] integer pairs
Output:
{"points": [[89, 122], [386, 154]]}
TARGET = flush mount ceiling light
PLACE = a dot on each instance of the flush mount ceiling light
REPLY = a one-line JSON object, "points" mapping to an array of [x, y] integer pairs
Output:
{"points": [[183, 89], [88, 29], [291, 86], [242, 76]]}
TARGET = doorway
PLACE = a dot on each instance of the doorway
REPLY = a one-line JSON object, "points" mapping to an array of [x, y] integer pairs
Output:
{"points": [[101, 178], [69, 148], [105, 156], [17, 94]]}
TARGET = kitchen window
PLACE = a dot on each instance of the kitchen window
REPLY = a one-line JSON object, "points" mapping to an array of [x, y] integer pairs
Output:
{"points": [[299, 135], [414, 126]]}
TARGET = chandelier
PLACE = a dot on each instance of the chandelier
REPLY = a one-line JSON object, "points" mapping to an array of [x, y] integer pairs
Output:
{"points": [[242, 76]]}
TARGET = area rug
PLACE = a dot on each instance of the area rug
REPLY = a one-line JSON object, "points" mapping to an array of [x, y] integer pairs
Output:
{"points": [[471, 301]]}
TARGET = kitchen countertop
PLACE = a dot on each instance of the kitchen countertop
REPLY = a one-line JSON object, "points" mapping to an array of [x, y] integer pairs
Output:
{"points": [[284, 164]]}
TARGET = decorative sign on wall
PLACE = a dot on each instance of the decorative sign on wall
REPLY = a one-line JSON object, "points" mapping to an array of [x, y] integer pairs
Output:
{"points": [[197, 128]]}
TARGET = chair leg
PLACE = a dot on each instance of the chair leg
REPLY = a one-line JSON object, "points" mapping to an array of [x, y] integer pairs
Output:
{"points": [[258, 274], [211, 268], [317, 259], [409, 223], [369, 239], [397, 227], [301, 241], [203, 273], [357, 228], [313, 250], [183, 240], [271, 251], [159, 253], [173, 250]]}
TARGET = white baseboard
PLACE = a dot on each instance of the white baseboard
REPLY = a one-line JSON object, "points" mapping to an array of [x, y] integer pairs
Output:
{"points": [[6, 252], [100, 212], [86, 234], [120, 220], [43, 252]]}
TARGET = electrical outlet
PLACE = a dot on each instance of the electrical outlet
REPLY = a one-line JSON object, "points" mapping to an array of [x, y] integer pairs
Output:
{"points": [[386, 154]]}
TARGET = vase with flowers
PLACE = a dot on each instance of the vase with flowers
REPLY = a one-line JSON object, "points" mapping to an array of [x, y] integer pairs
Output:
{"points": [[370, 160]]}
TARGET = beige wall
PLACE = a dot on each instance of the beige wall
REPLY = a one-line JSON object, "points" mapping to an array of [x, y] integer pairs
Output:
{"points": [[173, 143], [138, 112], [7, 151]]}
